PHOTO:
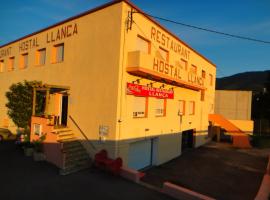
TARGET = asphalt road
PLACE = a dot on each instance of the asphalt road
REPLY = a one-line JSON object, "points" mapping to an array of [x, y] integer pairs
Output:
{"points": [[22, 178], [217, 170]]}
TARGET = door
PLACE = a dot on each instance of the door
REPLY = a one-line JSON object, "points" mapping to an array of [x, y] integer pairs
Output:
{"points": [[187, 139], [64, 113], [140, 154]]}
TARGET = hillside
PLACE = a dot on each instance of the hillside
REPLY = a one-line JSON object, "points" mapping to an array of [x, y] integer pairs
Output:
{"points": [[243, 81]]}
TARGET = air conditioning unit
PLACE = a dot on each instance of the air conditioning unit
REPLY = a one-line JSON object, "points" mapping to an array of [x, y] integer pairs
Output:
{"points": [[138, 114]]}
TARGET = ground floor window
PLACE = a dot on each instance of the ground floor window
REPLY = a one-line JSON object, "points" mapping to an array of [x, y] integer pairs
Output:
{"points": [[181, 110], [140, 106], [160, 109], [191, 108]]}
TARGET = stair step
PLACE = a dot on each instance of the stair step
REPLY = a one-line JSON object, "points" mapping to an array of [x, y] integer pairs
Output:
{"points": [[76, 160], [61, 130], [75, 168], [71, 143], [76, 154], [66, 139], [73, 149]]}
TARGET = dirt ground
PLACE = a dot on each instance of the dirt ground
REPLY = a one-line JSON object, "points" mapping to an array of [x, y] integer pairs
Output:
{"points": [[217, 170]]}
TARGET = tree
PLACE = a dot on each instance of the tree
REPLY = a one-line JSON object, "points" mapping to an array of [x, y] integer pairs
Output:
{"points": [[20, 101]]}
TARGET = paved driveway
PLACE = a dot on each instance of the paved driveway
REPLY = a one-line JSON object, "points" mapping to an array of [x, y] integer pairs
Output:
{"points": [[22, 178], [217, 170]]}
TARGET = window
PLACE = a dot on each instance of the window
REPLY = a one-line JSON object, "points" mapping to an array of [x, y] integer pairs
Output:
{"points": [[164, 54], [11, 63], [143, 45], [193, 69], [211, 79], [140, 105], [183, 64], [182, 105], [23, 61], [202, 95], [37, 129], [191, 108], [203, 74], [41, 57], [1, 66], [58, 53], [160, 110]]}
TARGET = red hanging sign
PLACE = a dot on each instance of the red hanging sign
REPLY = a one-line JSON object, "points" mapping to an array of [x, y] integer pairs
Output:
{"points": [[145, 91]]}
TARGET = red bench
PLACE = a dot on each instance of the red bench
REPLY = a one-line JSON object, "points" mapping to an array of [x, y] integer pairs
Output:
{"points": [[103, 162]]}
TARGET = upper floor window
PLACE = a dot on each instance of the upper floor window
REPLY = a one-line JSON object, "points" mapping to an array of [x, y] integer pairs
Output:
{"points": [[143, 45], [203, 74], [193, 69], [41, 57], [164, 54], [1, 65], [58, 53], [140, 106], [202, 95], [183, 64], [23, 61], [160, 110], [191, 108], [11, 61], [210, 79]]}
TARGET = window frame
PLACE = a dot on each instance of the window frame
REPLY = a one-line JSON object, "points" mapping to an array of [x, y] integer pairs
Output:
{"points": [[167, 52], [38, 57], [145, 108], [211, 77], [22, 64], [186, 63], [183, 108], [11, 63], [203, 74], [2, 65], [164, 108], [191, 112], [146, 40], [55, 53]]}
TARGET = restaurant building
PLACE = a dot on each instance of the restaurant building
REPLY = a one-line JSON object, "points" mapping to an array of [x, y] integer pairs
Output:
{"points": [[119, 80]]}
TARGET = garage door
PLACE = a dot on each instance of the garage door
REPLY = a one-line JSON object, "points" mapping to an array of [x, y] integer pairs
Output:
{"points": [[140, 154]]}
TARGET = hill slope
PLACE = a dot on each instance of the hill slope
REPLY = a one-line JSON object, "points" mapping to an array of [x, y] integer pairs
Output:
{"points": [[243, 81]]}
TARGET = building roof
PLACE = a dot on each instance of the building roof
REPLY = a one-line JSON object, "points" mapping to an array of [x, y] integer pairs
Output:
{"points": [[100, 8]]}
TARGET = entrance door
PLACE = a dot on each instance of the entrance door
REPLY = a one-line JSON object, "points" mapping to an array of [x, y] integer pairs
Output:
{"points": [[64, 113], [187, 139], [140, 154]]}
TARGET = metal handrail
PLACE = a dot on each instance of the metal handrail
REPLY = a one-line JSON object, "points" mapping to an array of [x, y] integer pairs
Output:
{"points": [[74, 122]]}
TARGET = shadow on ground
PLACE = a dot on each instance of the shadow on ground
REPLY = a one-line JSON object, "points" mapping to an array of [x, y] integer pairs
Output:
{"points": [[22, 178], [216, 170]]}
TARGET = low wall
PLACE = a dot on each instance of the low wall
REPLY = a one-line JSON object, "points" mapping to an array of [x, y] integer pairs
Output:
{"points": [[130, 174], [180, 193], [52, 149], [241, 141], [264, 191], [244, 125]]}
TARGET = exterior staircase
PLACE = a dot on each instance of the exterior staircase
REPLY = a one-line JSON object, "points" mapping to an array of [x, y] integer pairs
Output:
{"points": [[75, 157], [240, 138]]}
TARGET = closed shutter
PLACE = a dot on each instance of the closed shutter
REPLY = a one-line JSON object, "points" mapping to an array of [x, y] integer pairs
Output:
{"points": [[140, 154]]}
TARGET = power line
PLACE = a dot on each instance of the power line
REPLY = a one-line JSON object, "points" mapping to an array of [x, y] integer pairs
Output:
{"points": [[207, 30]]}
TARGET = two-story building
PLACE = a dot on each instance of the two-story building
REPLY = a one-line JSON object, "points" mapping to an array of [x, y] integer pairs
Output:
{"points": [[115, 74]]}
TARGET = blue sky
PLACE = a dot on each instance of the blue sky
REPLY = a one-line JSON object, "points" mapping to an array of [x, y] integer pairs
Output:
{"points": [[249, 18]]}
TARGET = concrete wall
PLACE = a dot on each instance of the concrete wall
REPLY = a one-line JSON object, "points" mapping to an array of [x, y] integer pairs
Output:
{"points": [[235, 105], [244, 125]]}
